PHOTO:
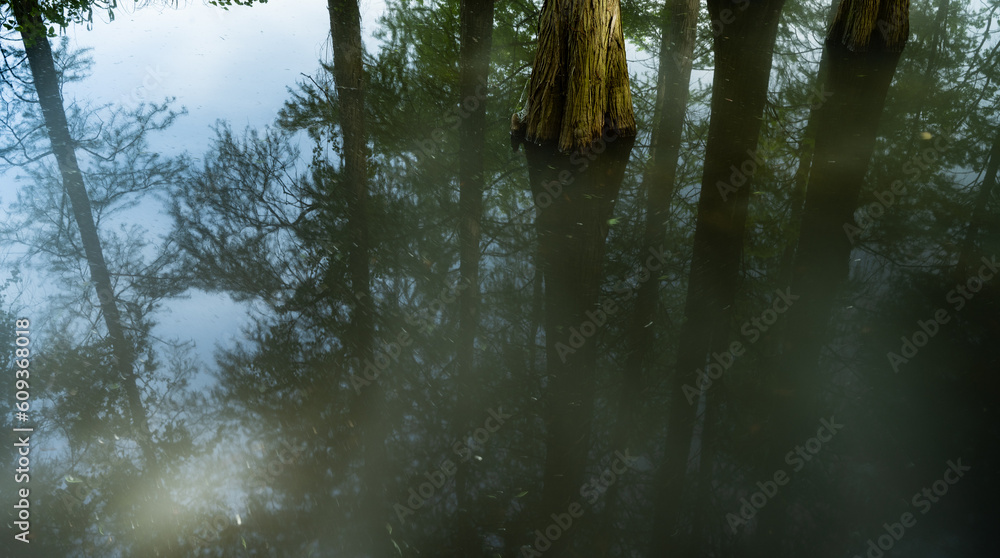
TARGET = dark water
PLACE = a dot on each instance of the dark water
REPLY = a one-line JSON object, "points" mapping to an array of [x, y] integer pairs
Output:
{"points": [[772, 335]]}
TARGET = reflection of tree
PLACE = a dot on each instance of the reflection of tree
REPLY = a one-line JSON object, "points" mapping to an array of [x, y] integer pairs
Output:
{"points": [[579, 104], [743, 53], [46, 84], [91, 377], [281, 467], [474, 71]]}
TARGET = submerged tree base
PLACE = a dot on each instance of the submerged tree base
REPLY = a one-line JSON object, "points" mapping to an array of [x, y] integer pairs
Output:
{"points": [[575, 195]]}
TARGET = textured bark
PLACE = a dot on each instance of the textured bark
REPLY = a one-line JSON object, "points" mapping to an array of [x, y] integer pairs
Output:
{"points": [[579, 81], [846, 130], [861, 68], [678, 23], [579, 99], [349, 79], [476, 38], [743, 50]]}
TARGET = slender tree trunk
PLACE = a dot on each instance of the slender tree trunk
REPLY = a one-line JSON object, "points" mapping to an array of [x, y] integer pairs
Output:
{"points": [[476, 37], [745, 34], [678, 23], [537, 305], [677, 49], [349, 78], [967, 254], [46, 81], [801, 177], [579, 101]]}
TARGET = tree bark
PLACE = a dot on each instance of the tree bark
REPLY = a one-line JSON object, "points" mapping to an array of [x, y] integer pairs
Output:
{"points": [[678, 24], [745, 35], [476, 39], [349, 79], [579, 100], [861, 69], [863, 48]]}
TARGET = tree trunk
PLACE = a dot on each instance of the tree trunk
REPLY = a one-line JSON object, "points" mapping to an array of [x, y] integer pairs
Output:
{"points": [[579, 100], [745, 35], [801, 177], [349, 79], [862, 64], [678, 23], [862, 48], [46, 80], [476, 37], [967, 254]]}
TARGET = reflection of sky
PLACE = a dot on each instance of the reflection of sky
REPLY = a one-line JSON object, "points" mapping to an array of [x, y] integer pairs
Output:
{"points": [[234, 65]]}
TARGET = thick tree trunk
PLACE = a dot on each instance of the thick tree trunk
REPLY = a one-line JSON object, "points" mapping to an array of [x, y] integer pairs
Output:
{"points": [[745, 35], [349, 79], [572, 231], [861, 70], [863, 48], [579, 100], [476, 38]]}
